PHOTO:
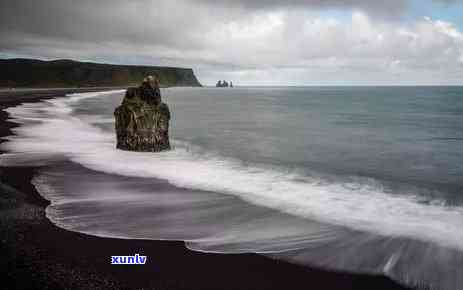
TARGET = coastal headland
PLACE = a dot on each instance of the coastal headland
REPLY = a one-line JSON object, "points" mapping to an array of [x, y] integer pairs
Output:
{"points": [[65, 73]]}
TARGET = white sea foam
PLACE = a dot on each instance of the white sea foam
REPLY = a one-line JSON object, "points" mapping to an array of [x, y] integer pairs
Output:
{"points": [[366, 207]]}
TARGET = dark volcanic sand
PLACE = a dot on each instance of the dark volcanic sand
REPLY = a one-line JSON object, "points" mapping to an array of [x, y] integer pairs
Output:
{"points": [[35, 254]]}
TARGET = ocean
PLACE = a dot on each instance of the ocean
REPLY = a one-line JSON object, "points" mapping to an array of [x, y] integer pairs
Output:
{"points": [[356, 179]]}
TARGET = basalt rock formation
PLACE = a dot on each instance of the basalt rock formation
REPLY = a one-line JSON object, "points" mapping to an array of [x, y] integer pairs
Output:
{"points": [[142, 120], [224, 84]]}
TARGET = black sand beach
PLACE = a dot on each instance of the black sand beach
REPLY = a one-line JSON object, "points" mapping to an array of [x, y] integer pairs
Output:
{"points": [[35, 254]]}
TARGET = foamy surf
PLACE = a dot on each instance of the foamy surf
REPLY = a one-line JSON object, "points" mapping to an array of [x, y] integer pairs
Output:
{"points": [[346, 216]]}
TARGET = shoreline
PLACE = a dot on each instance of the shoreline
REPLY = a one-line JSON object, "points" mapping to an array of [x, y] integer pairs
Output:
{"points": [[37, 254]]}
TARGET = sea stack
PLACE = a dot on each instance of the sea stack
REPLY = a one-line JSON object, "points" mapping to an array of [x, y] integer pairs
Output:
{"points": [[142, 120]]}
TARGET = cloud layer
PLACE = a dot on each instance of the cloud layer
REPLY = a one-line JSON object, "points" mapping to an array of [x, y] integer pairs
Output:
{"points": [[265, 42]]}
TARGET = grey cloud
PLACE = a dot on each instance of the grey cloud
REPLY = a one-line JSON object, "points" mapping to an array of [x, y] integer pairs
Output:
{"points": [[138, 30], [448, 1], [92, 21], [223, 37], [390, 7], [144, 21]]}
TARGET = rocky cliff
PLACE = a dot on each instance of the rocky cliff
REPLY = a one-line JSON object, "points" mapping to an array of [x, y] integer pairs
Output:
{"points": [[142, 120], [69, 73]]}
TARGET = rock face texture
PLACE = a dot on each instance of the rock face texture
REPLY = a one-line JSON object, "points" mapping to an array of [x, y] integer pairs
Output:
{"points": [[69, 73], [142, 120]]}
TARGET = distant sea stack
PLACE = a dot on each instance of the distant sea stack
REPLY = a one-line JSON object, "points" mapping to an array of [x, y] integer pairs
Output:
{"points": [[68, 73], [142, 120], [224, 84]]}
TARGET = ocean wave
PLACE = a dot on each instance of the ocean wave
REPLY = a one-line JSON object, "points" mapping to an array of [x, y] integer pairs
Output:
{"points": [[50, 129]]}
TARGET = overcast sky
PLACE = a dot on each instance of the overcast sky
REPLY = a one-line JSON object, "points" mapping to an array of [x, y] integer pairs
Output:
{"points": [[263, 42]]}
